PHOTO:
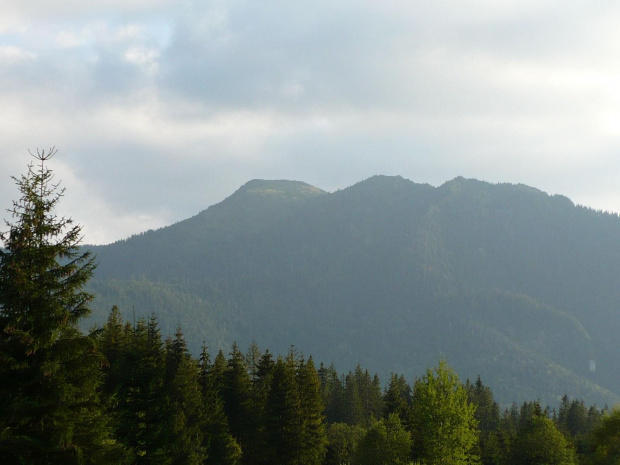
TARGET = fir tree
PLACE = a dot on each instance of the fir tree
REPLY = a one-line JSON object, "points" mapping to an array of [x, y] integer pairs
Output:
{"points": [[50, 372], [236, 392], [354, 410], [313, 437], [221, 447], [487, 415], [185, 419], [332, 391], [142, 401], [260, 390], [283, 416], [397, 397]]}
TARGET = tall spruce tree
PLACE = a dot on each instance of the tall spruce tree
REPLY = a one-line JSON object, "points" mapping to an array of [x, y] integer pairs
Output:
{"points": [[332, 390], [141, 396], [397, 397], [488, 417], [185, 417], [49, 371], [236, 392], [283, 423], [313, 436], [221, 447]]}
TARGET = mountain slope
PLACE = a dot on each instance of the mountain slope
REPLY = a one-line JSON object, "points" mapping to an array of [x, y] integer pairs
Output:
{"points": [[502, 280]]}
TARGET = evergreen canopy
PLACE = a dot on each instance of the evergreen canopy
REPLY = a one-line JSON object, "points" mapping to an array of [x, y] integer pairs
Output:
{"points": [[49, 371]]}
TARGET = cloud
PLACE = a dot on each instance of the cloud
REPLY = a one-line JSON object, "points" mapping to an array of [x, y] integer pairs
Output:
{"points": [[162, 108]]}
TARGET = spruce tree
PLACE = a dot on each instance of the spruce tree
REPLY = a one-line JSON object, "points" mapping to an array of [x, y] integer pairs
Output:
{"points": [[260, 390], [313, 437], [236, 391], [50, 372], [488, 417], [283, 415], [397, 397], [221, 447], [141, 398], [185, 417], [354, 409], [332, 390]]}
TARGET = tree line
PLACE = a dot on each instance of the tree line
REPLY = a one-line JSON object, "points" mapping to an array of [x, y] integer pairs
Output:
{"points": [[124, 394]]}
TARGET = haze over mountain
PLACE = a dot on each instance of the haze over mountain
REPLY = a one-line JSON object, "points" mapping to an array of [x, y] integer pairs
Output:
{"points": [[504, 281]]}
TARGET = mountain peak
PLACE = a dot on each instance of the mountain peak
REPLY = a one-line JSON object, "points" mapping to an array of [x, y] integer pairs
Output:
{"points": [[279, 188]]}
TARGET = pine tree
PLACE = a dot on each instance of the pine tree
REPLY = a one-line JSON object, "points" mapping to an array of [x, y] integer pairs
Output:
{"points": [[217, 372], [397, 397], [252, 360], [313, 437], [113, 342], [185, 419], [332, 390], [50, 372], [487, 415], [260, 391], [141, 398], [221, 447], [236, 392], [283, 416], [369, 390], [354, 410]]}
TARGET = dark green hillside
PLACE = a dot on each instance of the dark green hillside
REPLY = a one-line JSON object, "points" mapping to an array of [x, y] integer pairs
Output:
{"points": [[504, 281]]}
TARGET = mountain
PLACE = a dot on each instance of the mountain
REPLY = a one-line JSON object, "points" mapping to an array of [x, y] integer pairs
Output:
{"points": [[504, 281]]}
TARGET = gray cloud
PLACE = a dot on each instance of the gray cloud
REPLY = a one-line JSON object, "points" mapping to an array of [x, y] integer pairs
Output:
{"points": [[162, 108]]}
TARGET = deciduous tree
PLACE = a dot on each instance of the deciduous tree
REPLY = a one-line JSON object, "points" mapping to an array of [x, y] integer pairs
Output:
{"points": [[444, 428]]}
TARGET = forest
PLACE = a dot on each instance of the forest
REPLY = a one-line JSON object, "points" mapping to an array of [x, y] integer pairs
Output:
{"points": [[504, 281], [124, 393]]}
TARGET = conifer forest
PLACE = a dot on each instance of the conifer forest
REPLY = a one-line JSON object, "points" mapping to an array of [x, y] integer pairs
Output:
{"points": [[122, 392]]}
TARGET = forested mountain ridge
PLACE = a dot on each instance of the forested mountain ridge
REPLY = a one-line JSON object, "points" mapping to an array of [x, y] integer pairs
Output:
{"points": [[503, 280]]}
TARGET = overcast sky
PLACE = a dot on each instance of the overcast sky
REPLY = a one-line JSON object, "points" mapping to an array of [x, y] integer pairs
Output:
{"points": [[161, 108]]}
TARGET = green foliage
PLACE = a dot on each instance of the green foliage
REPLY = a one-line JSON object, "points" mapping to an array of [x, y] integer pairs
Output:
{"points": [[444, 427], [342, 444], [487, 415], [395, 273], [283, 421], [122, 395], [49, 371], [186, 419], [142, 400], [606, 440], [539, 442], [332, 392], [397, 397], [236, 392], [313, 436], [222, 449], [385, 443]]}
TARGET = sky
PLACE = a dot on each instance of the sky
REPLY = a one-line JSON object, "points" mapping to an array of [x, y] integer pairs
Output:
{"points": [[161, 108]]}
